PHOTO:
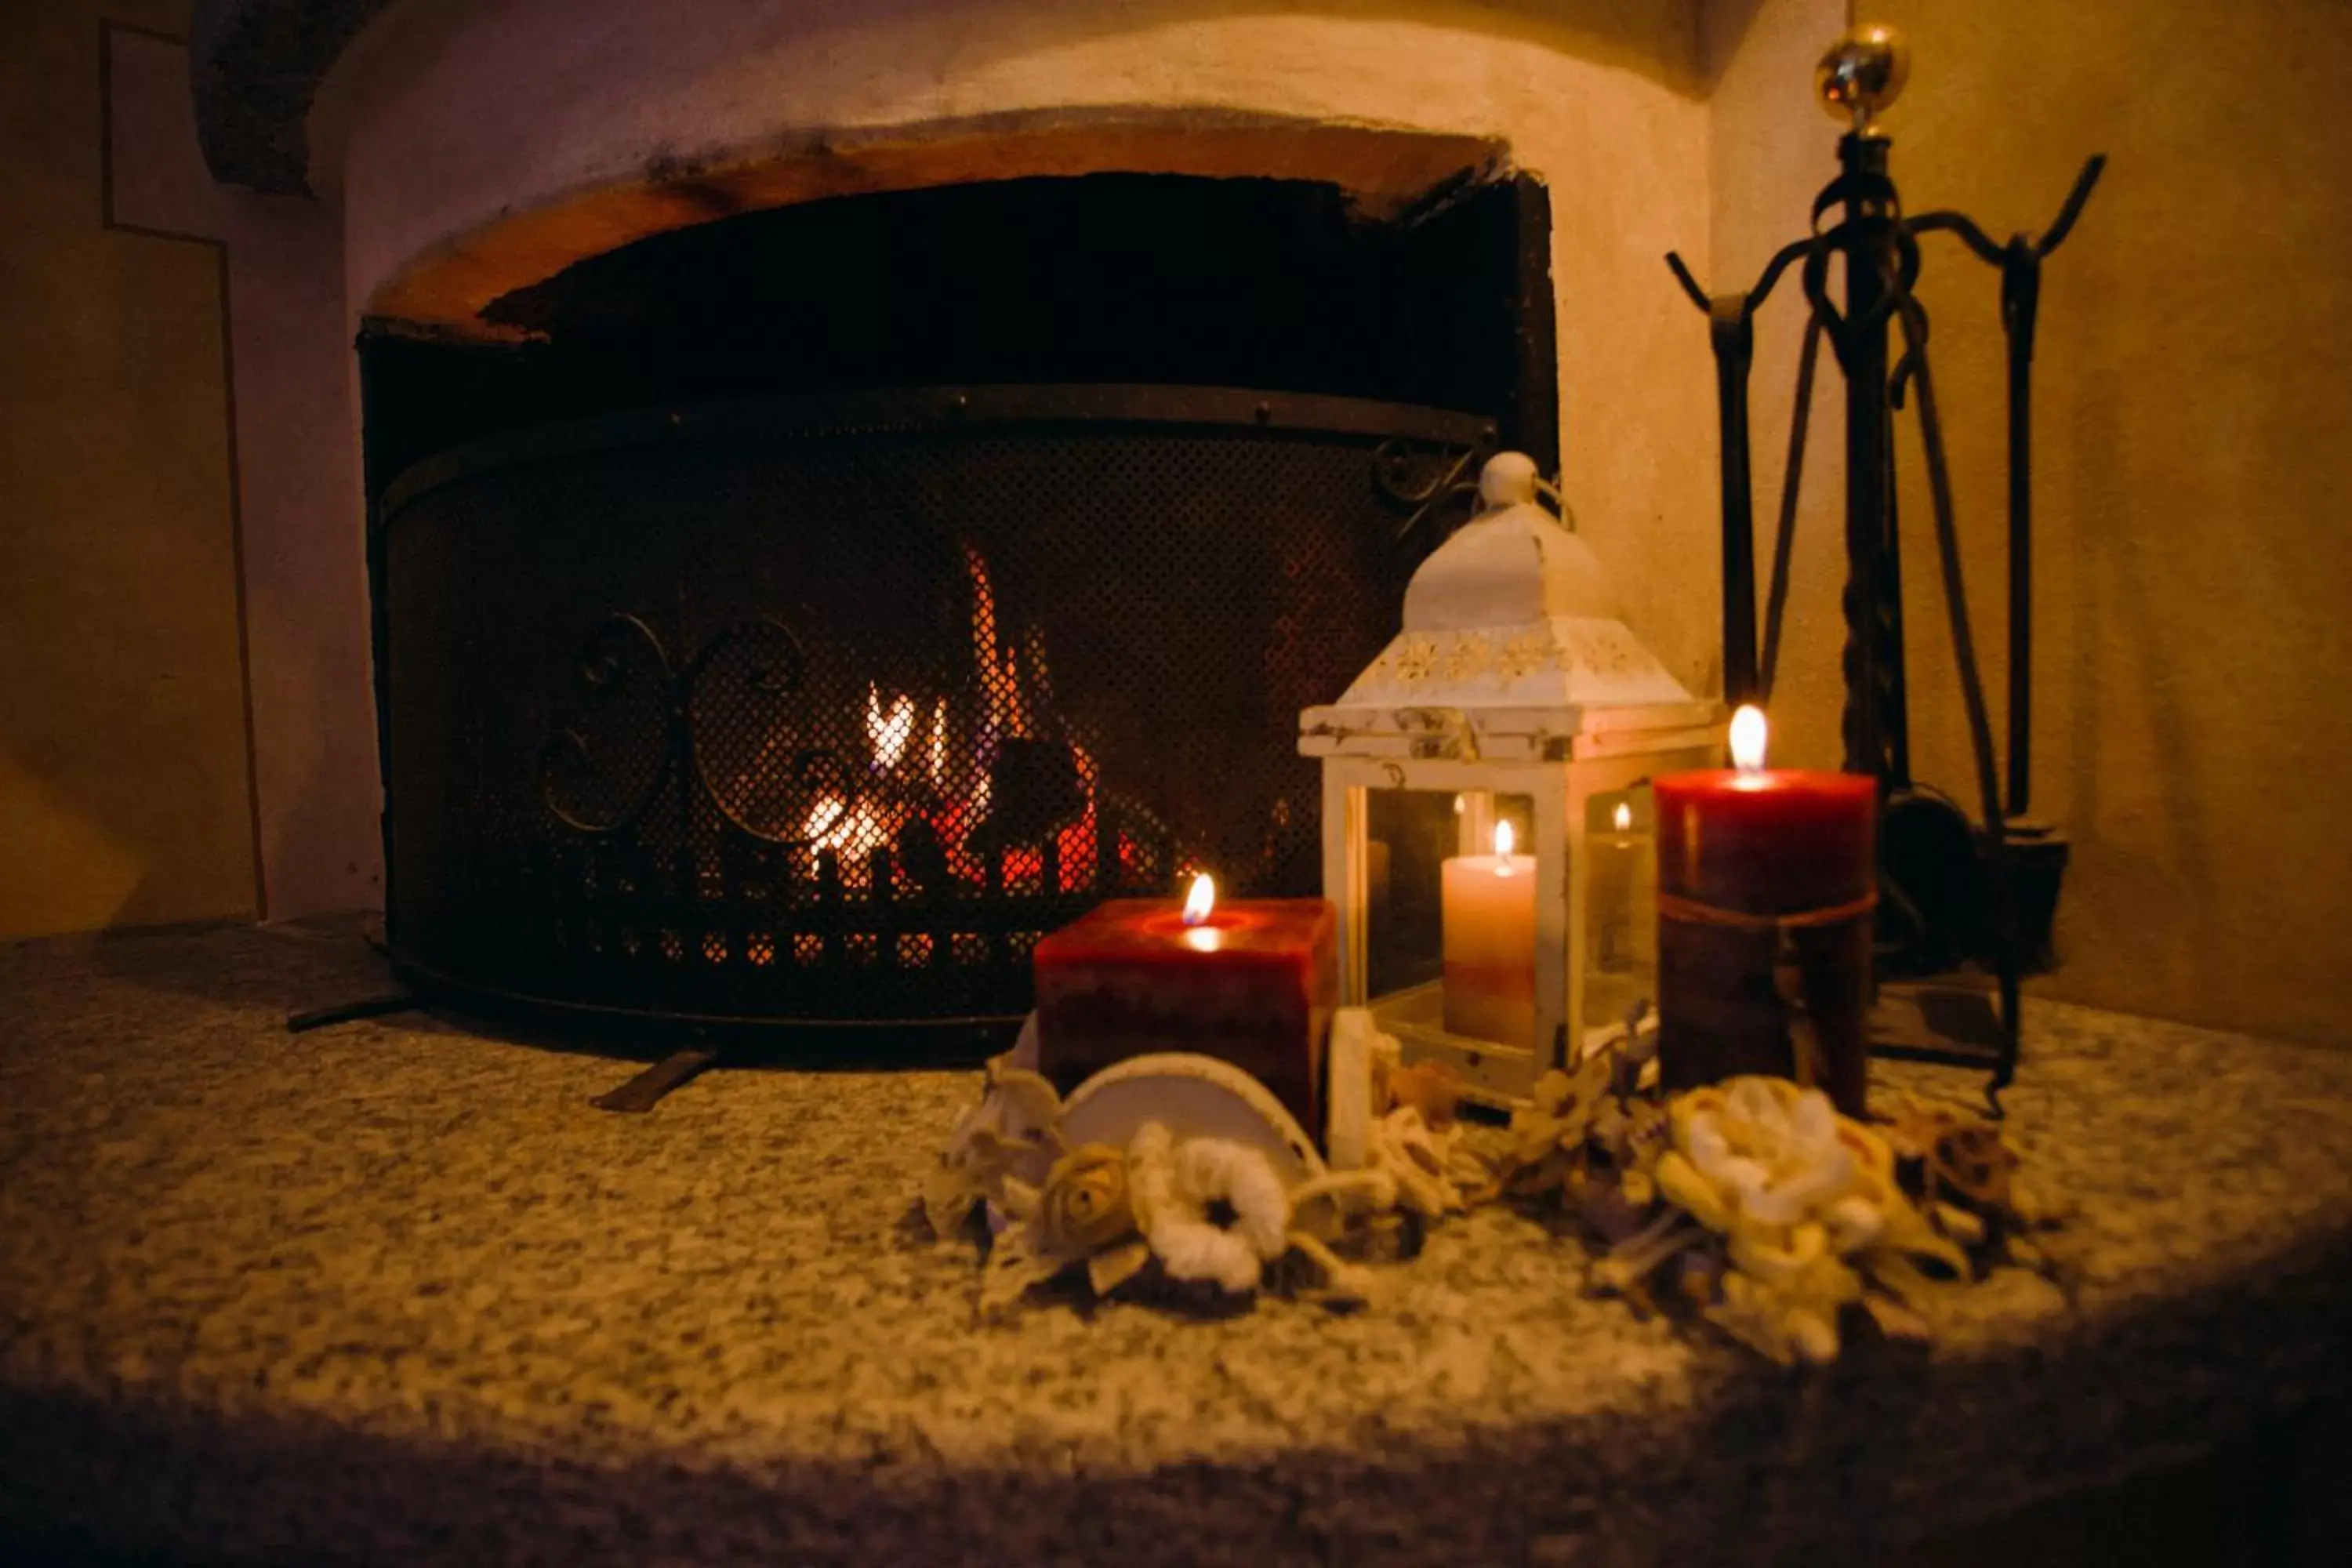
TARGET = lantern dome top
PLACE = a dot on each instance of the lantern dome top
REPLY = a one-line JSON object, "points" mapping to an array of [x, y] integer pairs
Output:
{"points": [[1511, 565], [1511, 627]]}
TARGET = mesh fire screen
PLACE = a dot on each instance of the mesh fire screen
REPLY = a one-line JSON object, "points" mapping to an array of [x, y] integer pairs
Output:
{"points": [[823, 712]]}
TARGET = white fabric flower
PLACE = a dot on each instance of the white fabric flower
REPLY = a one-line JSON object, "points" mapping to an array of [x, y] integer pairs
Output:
{"points": [[1171, 1186], [1770, 1150]]}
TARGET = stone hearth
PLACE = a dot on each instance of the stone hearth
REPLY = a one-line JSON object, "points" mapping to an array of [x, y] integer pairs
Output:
{"points": [[394, 1292]]}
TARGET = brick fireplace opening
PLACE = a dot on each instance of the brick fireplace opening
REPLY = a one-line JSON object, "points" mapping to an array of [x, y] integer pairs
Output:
{"points": [[799, 614]]}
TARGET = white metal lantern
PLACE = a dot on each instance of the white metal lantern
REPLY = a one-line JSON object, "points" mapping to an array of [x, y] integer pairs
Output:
{"points": [[1515, 705]]}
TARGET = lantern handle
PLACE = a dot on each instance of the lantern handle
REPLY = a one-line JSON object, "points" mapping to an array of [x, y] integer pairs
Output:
{"points": [[1549, 488]]}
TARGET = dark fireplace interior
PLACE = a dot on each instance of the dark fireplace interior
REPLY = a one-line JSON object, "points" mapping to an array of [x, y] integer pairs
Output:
{"points": [[821, 604]]}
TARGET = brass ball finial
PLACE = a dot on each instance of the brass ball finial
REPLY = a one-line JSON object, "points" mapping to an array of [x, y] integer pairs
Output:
{"points": [[1862, 73]]}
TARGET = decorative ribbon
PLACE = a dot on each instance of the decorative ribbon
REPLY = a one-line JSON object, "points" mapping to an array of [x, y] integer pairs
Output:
{"points": [[1810, 1058], [1676, 908]]}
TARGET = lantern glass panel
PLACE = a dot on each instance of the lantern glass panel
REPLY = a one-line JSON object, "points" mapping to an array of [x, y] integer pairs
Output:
{"points": [[1449, 927], [1621, 964]]}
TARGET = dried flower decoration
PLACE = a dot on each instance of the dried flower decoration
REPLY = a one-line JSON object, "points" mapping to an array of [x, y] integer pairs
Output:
{"points": [[1752, 1203], [1084, 1206], [1548, 1145], [1782, 1217], [1181, 1215], [1011, 1125], [1416, 1161], [1432, 1089]]}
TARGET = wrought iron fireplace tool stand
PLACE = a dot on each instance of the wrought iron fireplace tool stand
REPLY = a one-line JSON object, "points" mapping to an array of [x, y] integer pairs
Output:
{"points": [[1939, 849]]}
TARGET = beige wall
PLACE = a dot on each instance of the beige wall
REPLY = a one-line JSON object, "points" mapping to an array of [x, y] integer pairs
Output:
{"points": [[123, 787], [310, 712], [2193, 567]]}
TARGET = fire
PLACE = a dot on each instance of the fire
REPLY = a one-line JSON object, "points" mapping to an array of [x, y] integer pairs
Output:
{"points": [[1623, 819], [889, 732], [1747, 735], [1081, 840], [852, 832], [1000, 673], [984, 617], [928, 790], [829, 809], [1504, 840], [1198, 935]]}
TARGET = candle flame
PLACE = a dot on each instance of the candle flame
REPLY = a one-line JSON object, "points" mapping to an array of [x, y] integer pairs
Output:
{"points": [[1503, 839], [1747, 731], [1201, 899], [1623, 821]]}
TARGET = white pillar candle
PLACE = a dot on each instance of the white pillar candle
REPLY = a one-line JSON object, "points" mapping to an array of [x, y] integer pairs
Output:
{"points": [[1489, 903]]}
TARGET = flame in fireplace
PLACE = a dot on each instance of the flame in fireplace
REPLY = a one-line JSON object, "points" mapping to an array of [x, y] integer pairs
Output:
{"points": [[851, 832], [1081, 838], [933, 795], [889, 732], [1000, 668]]}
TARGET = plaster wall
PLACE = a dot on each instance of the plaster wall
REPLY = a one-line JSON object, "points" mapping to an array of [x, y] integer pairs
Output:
{"points": [[293, 482], [124, 785], [2190, 458], [1770, 151]]}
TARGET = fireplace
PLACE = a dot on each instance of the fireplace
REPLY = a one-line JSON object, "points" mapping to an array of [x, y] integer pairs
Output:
{"points": [[821, 605]]}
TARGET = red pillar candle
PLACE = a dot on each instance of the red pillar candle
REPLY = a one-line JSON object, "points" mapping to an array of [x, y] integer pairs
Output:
{"points": [[1252, 982], [1745, 853]]}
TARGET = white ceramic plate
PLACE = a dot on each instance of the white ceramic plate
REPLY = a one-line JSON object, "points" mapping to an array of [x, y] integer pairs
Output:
{"points": [[1192, 1096]]}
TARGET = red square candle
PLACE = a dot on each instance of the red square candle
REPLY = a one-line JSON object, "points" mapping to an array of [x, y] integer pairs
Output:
{"points": [[1252, 984]]}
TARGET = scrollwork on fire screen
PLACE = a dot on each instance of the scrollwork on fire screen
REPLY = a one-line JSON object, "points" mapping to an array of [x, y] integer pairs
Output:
{"points": [[1432, 484], [632, 727]]}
